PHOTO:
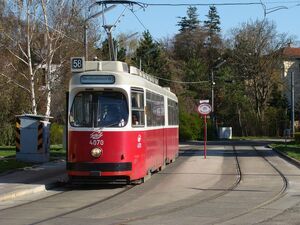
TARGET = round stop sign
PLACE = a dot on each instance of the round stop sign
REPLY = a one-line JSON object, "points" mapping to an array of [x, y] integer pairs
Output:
{"points": [[204, 109]]}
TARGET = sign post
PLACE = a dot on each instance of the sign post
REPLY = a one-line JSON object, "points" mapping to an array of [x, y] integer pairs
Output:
{"points": [[204, 109]]}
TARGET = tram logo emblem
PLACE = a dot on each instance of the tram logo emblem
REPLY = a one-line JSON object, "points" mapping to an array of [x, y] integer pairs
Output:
{"points": [[95, 138], [96, 135]]}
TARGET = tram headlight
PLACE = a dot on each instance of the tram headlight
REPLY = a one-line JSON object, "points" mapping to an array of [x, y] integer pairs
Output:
{"points": [[96, 152]]}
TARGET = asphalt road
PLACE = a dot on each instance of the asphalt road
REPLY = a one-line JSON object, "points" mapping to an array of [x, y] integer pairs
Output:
{"points": [[238, 183]]}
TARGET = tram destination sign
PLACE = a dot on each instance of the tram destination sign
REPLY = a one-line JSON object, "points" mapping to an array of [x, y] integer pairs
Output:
{"points": [[97, 79]]}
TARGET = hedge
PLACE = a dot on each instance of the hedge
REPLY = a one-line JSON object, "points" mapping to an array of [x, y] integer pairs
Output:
{"points": [[297, 137], [56, 134]]}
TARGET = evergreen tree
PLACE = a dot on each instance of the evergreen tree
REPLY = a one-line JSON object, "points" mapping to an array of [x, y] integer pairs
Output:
{"points": [[153, 59], [189, 41], [189, 22], [213, 40], [148, 55], [104, 53], [212, 24]]}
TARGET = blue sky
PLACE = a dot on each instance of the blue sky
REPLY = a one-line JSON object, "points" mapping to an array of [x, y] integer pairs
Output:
{"points": [[161, 21]]}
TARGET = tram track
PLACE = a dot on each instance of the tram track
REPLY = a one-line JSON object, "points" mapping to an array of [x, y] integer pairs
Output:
{"points": [[34, 201], [195, 202], [85, 206], [64, 191], [186, 203], [65, 188], [160, 212], [276, 197], [279, 195], [282, 192], [128, 187]]}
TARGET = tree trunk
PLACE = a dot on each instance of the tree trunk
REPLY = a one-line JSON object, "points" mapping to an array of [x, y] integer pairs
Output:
{"points": [[48, 61], [240, 120], [32, 84]]}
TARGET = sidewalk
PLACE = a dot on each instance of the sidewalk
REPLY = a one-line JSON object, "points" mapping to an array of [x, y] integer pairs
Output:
{"points": [[31, 180]]}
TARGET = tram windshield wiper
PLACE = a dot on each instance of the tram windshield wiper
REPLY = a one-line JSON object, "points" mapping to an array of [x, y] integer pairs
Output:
{"points": [[112, 124], [108, 125]]}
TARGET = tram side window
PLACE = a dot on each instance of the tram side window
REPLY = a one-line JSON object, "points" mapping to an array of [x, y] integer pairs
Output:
{"points": [[155, 109], [172, 112], [137, 104]]}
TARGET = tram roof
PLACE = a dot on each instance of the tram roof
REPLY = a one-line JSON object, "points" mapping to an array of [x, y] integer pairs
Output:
{"points": [[126, 75]]}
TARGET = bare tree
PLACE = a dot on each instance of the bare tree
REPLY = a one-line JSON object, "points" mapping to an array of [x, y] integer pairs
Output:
{"points": [[35, 44], [256, 61], [21, 38]]}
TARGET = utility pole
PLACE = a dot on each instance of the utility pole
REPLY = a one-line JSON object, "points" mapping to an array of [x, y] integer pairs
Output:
{"points": [[292, 104], [212, 91], [86, 41], [213, 84]]}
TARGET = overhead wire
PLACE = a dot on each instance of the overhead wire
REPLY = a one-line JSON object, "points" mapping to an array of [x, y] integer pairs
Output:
{"points": [[181, 82], [217, 4], [122, 14], [201, 4], [138, 19], [261, 3]]}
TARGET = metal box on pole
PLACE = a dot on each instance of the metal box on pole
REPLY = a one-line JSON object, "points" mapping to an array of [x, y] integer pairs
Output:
{"points": [[225, 132]]}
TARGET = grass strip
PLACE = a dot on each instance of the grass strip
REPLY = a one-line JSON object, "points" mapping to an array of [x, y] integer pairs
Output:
{"points": [[8, 157], [291, 149], [7, 164]]}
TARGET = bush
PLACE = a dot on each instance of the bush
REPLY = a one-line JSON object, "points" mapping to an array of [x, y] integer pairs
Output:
{"points": [[192, 127], [7, 134], [184, 127], [297, 137], [56, 134]]}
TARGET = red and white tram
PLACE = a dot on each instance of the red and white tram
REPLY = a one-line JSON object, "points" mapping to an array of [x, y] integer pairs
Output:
{"points": [[121, 124]]}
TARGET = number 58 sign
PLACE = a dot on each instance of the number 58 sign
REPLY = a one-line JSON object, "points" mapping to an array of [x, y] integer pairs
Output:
{"points": [[77, 64]]}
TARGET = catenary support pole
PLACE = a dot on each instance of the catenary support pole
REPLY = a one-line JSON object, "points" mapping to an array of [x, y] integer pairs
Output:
{"points": [[292, 104]]}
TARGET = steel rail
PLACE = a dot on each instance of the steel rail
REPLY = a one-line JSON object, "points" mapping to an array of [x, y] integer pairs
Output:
{"points": [[195, 202], [85, 206], [276, 197]]}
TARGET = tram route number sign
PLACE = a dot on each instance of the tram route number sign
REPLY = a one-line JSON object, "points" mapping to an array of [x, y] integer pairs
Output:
{"points": [[204, 109], [77, 64]]}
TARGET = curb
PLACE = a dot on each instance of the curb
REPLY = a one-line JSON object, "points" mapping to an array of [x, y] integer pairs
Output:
{"points": [[291, 160], [34, 189], [20, 193]]}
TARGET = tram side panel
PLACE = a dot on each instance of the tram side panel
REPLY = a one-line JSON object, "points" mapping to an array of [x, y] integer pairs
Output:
{"points": [[154, 149], [172, 143]]}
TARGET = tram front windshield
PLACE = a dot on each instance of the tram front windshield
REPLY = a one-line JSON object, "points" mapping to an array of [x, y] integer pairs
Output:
{"points": [[99, 109]]}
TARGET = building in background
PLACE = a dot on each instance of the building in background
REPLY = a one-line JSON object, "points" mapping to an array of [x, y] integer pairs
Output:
{"points": [[291, 65]]}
